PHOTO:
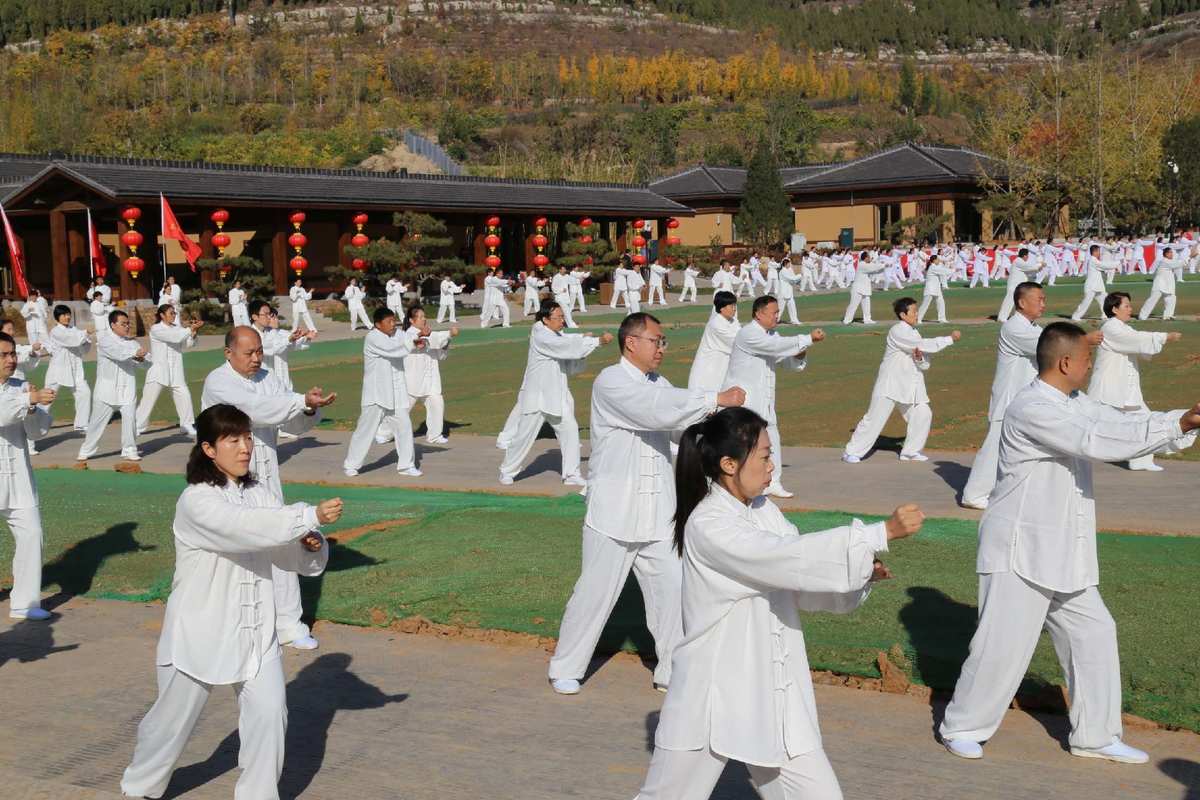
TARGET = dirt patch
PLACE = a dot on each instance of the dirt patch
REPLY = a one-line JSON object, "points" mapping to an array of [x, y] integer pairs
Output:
{"points": [[128, 467], [350, 534]]}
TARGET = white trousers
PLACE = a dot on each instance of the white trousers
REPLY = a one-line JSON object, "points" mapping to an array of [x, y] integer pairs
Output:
{"points": [[183, 405], [982, 479], [577, 297], [564, 302], [532, 303], [918, 416], [633, 300], [26, 527], [302, 314], [101, 413], [688, 287], [435, 413], [980, 275], [926, 300], [358, 311], [856, 300], [566, 430], [617, 295], [83, 402], [164, 732], [806, 283], [1086, 303], [240, 315], [499, 309], [606, 566], [1006, 306], [364, 436], [1012, 612], [36, 331], [776, 454], [1152, 301], [288, 607], [693, 774], [662, 299], [789, 305]]}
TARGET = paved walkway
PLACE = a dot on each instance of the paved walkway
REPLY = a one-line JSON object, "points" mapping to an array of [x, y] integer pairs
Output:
{"points": [[379, 715], [1133, 501]]}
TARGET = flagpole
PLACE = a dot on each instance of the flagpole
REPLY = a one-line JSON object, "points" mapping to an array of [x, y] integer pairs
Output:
{"points": [[91, 254]]}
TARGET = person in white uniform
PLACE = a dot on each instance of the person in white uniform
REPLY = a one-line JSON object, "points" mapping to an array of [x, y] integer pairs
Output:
{"points": [[937, 278], [24, 418], [712, 356], [741, 687], [167, 343], [1163, 287], [28, 355], [354, 297], [422, 371], [690, 273], [575, 278], [99, 311], [1037, 560], [300, 297], [394, 291], [273, 409], [901, 382], [786, 278], [68, 346], [448, 291], [1019, 272], [278, 343], [497, 285], [619, 284], [118, 358], [231, 534], [237, 306], [545, 398], [860, 290], [631, 501], [385, 397], [172, 294], [724, 279], [759, 350], [772, 286], [1093, 284], [560, 287], [534, 284], [657, 275], [103, 288], [633, 290], [34, 310], [1116, 377]]}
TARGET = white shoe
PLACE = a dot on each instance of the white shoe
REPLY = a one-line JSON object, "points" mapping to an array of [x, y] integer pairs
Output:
{"points": [[565, 685], [36, 614], [505, 480], [131, 457], [775, 490], [411, 472], [438, 440], [139, 432], [964, 748], [914, 457], [1148, 468], [190, 433], [286, 435], [1117, 751], [382, 440], [33, 451], [980, 505], [349, 473], [574, 480], [303, 643], [849, 459]]}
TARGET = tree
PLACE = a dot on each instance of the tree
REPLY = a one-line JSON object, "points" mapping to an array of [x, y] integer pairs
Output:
{"points": [[596, 256], [1181, 149], [256, 283], [928, 100], [906, 95], [766, 216], [412, 257]]}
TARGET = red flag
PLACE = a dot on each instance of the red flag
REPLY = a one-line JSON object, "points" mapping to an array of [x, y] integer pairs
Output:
{"points": [[171, 230], [96, 260], [15, 255]]}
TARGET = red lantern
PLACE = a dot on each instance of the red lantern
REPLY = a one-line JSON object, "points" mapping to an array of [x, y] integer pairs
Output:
{"points": [[493, 222], [585, 239], [360, 240], [221, 241], [639, 241], [133, 265], [358, 264], [297, 218], [298, 264], [223, 269], [674, 241], [132, 240], [586, 222], [540, 260], [540, 241], [640, 260], [360, 219], [492, 241], [131, 214], [540, 222], [220, 217], [639, 224], [492, 261], [587, 260], [672, 223], [297, 241]]}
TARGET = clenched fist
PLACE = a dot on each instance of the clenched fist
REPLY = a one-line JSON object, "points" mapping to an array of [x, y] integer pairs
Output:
{"points": [[818, 335], [1094, 338], [905, 521], [733, 396], [329, 511], [312, 541], [605, 338]]}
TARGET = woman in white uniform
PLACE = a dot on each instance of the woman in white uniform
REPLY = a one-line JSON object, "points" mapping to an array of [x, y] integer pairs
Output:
{"points": [[422, 373], [36, 313], [712, 357], [740, 685]]}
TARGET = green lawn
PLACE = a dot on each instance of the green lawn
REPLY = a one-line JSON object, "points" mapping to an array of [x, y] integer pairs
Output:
{"points": [[510, 562]]}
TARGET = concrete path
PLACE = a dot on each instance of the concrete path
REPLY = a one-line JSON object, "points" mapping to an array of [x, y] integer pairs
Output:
{"points": [[1132, 501], [380, 715]]}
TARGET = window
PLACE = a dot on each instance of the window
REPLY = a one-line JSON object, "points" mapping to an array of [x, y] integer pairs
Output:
{"points": [[888, 215]]}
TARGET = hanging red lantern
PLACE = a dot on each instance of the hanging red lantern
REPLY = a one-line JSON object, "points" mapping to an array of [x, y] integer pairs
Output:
{"points": [[492, 261], [133, 265], [297, 219], [298, 264], [540, 260], [540, 222], [639, 259], [639, 224], [221, 241], [220, 217], [540, 241], [360, 240], [359, 264], [585, 239], [297, 241], [492, 241], [672, 223], [360, 219], [639, 241], [586, 222], [493, 222], [588, 260], [132, 239], [223, 269], [673, 241], [131, 214]]}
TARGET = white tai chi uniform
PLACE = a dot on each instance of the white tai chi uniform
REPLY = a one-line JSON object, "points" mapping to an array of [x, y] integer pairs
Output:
{"points": [[385, 398], [630, 503], [1093, 288], [633, 290], [575, 278], [723, 280], [901, 382], [689, 283], [807, 276], [116, 390], [271, 407], [560, 287], [657, 273], [394, 290], [1018, 273], [741, 686], [173, 296], [1037, 561], [545, 398], [37, 316], [860, 291], [105, 290], [980, 271], [423, 377], [68, 347], [755, 356], [300, 298], [99, 310], [446, 300], [229, 541], [277, 346], [619, 286], [1016, 366], [1116, 374], [787, 279], [238, 311], [167, 343], [937, 277], [533, 299], [1163, 287], [712, 356], [772, 284], [21, 424], [354, 296], [494, 302]]}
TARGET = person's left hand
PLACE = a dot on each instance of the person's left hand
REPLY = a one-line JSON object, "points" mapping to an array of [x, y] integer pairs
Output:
{"points": [[880, 572]]}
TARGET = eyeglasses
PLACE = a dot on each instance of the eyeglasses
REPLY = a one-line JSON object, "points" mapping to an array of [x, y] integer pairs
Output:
{"points": [[660, 341]]}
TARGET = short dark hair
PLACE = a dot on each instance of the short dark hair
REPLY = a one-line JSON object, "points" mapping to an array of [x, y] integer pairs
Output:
{"points": [[256, 306], [632, 325], [61, 309], [1024, 288], [545, 310], [381, 313], [214, 423], [7, 321], [762, 302], [411, 312], [722, 299], [1094, 249], [901, 306], [115, 315], [1113, 300], [4, 337], [161, 311], [1024, 251], [1056, 337]]}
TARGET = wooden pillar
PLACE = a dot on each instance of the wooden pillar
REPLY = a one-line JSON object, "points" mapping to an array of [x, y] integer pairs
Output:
{"points": [[60, 258], [480, 249], [279, 253], [130, 288], [207, 251], [78, 267]]}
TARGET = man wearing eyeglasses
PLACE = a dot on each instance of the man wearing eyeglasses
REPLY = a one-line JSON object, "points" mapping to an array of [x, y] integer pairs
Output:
{"points": [[631, 501], [118, 358]]}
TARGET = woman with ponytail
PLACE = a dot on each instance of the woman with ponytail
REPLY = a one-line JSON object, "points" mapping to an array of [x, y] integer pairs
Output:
{"points": [[741, 687]]}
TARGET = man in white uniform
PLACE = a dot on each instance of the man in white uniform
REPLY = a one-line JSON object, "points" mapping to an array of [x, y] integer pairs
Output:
{"points": [[34, 310], [657, 274], [690, 273], [172, 294], [68, 346], [724, 280], [167, 343], [118, 357], [1019, 273], [758, 350], [860, 290], [1163, 286], [937, 278], [300, 297], [633, 290], [630, 502], [394, 290], [1093, 284], [787, 279], [900, 383], [446, 300], [1037, 560], [619, 285], [495, 304], [237, 306], [354, 297], [533, 287], [576, 277], [560, 287]]}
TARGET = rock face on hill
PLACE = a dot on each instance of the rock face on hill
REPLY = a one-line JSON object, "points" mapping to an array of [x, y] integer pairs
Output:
{"points": [[397, 158]]}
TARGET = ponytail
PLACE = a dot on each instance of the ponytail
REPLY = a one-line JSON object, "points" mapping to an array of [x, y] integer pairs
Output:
{"points": [[732, 433]]}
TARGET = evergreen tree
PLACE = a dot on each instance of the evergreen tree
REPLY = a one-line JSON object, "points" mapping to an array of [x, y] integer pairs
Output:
{"points": [[907, 93], [766, 215], [413, 256], [927, 102], [1181, 148]]}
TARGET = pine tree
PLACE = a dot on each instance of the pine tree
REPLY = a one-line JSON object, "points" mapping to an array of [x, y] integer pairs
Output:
{"points": [[907, 93], [766, 216]]}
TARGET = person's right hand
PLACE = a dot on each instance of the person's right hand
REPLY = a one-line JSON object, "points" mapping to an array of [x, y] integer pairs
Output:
{"points": [[733, 396], [1094, 338], [329, 511], [905, 521], [41, 397], [818, 335], [141, 353], [314, 398], [1174, 336], [606, 337], [956, 335], [1190, 419]]}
